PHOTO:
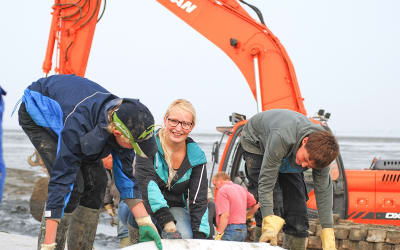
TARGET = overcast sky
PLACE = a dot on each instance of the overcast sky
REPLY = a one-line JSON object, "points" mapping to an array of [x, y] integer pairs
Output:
{"points": [[346, 55]]}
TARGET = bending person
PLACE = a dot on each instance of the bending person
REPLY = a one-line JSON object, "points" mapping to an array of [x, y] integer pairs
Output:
{"points": [[233, 204], [279, 145], [74, 123], [174, 182]]}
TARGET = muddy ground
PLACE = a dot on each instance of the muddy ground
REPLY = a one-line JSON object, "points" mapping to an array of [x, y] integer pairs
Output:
{"points": [[15, 216]]}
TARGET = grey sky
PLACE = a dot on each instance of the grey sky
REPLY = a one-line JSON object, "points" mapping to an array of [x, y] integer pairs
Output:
{"points": [[345, 53]]}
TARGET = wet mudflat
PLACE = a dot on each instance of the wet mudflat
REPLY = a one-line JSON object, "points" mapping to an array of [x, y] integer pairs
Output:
{"points": [[15, 217]]}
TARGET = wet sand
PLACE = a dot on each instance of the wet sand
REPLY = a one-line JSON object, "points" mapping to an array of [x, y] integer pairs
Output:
{"points": [[17, 226]]}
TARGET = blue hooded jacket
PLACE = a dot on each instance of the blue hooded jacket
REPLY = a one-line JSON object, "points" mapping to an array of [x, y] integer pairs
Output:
{"points": [[75, 108]]}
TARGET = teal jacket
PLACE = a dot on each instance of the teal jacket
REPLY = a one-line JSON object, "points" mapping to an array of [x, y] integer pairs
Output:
{"points": [[188, 187]]}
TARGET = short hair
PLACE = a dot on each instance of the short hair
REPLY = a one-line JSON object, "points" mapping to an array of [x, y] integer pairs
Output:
{"points": [[221, 176], [322, 148]]}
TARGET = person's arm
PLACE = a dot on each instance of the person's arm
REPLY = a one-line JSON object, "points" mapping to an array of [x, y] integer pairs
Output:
{"points": [[108, 199], [223, 222], [129, 190], [252, 205], [324, 196], [323, 189], [223, 206], [62, 178], [198, 188], [253, 209], [51, 230], [151, 193]]}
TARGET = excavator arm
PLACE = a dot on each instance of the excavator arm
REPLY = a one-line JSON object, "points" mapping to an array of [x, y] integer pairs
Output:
{"points": [[250, 44]]}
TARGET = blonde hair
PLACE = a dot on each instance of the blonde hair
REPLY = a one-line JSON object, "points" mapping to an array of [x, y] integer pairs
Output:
{"points": [[182, 104], [221, 176]]}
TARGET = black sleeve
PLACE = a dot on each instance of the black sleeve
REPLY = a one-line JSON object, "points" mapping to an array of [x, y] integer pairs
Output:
{"points": [[152, 196], [198, 188]]}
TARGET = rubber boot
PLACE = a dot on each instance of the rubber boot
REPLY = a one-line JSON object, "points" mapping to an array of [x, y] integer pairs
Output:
{"points": [[82, 229], [133, 234], [294, 243], [42, 232], [124, 242], [61, 232]]}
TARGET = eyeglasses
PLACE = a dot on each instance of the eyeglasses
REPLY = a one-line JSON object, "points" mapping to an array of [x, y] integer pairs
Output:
{"points": [[174, 123]]}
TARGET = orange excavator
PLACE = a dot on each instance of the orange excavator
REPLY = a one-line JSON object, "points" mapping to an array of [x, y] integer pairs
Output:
{"points": [[364, 196]]}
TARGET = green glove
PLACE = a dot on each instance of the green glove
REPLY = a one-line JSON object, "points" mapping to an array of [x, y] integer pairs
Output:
{"points": [[271, 226], [328, 239], [148, 232]]}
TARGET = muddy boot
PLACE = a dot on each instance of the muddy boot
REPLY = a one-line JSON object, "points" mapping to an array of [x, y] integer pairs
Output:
{"points": [[82, 229], [133, 234], [124, 242], [42, 232], [62, 231], [294, 243]]}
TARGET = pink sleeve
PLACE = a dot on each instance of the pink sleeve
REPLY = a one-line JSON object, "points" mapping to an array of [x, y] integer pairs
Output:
{"points": [[222, 202], [250, 200]]}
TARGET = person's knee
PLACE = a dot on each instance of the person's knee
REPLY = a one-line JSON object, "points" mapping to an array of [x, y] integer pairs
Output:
{"points": [[296, 225], [183, 221]]}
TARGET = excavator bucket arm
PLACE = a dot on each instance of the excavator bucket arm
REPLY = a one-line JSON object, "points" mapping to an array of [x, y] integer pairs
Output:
{"points": [[251, 45], [72, 29]]}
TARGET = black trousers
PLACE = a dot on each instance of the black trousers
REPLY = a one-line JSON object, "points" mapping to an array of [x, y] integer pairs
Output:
{"points": [[91, 181], [290, 196]]}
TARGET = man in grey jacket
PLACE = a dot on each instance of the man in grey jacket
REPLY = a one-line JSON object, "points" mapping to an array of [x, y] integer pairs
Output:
{"points": [[279, 145]]}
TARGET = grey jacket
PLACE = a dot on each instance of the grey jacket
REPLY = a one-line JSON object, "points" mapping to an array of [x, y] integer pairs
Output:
{"points": [[277, 134]]}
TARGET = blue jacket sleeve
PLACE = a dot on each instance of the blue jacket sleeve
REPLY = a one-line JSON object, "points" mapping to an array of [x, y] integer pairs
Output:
{"points": [[123, 174]]}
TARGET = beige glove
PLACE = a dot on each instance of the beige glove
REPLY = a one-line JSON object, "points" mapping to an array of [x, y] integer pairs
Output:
{"points": [[110, 210], [328, 239], [170, 227], [218, 236], [48, 246], [271, 226]]}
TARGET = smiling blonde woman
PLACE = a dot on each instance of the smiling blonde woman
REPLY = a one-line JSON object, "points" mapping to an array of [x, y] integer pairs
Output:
{"points": [[174, 182]]}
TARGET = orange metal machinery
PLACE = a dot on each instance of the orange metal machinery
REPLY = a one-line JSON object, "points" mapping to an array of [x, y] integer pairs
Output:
{"points": [[251, 45], [370, 196], [363, 197]]}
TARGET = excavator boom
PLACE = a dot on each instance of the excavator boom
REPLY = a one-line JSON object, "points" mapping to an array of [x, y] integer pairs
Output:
{"points": [[251, 45]]}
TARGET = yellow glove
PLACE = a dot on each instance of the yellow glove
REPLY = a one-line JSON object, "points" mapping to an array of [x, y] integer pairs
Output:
{"points": [[271, 226], [110, 210], [170, 227], [48, 246], [218, 236], [328, 239]]}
